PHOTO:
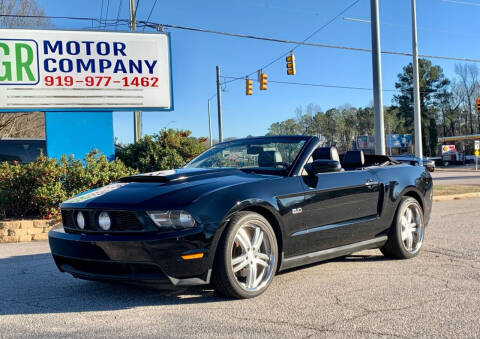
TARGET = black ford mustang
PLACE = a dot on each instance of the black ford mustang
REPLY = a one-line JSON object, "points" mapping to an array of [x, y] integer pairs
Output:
{"points": [[242, 211]]}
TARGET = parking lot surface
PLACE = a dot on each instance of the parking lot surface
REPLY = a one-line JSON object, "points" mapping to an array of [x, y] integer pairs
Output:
{"points": [[437, 294], [446, 177]]}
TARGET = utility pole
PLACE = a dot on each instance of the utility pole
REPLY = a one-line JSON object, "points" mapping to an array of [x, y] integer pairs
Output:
{"points": [[389, 138], [137, 115], [210, 122], [377, 80], [219, 106], [417, 114]]}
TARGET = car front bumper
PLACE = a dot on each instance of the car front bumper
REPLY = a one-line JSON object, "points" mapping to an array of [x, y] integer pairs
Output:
{"points": [[146, 258]]}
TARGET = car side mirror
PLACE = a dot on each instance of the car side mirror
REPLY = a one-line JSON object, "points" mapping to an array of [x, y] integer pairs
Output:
{"points": [[323, 166]]}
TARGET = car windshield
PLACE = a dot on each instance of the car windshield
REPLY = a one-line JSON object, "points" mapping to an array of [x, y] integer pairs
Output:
{"points": [[270, 154]]}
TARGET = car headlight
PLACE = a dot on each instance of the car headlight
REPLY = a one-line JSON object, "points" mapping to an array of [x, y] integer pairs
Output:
{"points": [[175, 219], [104, 221]]}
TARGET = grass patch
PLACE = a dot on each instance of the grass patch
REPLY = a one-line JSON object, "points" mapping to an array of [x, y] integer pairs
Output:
{"points": [[439, 190]]}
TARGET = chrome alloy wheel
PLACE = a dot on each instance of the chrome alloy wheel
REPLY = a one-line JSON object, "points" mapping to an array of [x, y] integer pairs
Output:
{"points": [[412, 228], [252, 258]]}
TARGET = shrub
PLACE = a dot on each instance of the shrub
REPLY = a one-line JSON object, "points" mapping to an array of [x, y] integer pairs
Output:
{"points": [[19, 183], [96, 171], [166, 150], [38, 188]]}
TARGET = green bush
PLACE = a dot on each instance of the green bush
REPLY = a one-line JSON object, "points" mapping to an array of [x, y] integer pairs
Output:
{"points": [[21, 186], [38, 188], [166, 150], [96, 171]]}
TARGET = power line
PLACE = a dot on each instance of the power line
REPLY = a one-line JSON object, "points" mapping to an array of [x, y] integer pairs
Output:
{"points": [[101, 13], [150, 14], [106, 13], [57, 17], [329, 22], [462, 2], [118, 12], [423, 28], [308, 37], [255, 37], [267, 6], [111, 25], [323, 85]]}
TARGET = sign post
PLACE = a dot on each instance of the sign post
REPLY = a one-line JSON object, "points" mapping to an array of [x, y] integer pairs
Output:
{"points": [[477, 153]]}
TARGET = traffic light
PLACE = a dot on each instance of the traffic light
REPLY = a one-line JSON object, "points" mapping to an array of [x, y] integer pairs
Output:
{"points": [[290, 64], [248, 86], [477, 104], [263, 81]]}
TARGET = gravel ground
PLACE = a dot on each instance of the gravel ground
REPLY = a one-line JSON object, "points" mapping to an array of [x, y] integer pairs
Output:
{"points": [[436, 294]]}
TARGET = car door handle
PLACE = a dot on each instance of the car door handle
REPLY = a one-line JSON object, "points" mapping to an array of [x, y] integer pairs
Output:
{"points": [[370, 182]]}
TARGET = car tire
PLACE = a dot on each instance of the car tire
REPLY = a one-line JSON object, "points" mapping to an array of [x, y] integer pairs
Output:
{"points": [[407, 231], [247, 257]]}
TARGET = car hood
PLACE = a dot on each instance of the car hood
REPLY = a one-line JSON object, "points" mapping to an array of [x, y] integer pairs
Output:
{"points": [[164, 189]]}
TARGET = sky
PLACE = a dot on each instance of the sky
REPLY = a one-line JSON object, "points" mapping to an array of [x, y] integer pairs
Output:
{"points": [[445, 27]]}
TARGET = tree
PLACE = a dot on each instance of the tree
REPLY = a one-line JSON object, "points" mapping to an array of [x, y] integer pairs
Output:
{"points": [[432, 83], [168, 149], [466, 88], [19, 8], [365, 121], [347, 127], [22, 125], [287, 127]]}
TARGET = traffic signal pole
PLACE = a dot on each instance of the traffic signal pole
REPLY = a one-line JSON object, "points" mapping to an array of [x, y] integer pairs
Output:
{"points": [[417, 117], [219, 105], [137, 115], [379, 123]]}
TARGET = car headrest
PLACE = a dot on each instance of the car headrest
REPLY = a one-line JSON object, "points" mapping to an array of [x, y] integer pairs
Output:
{"points": [[353, 159], [326, 153], [269, 159]]}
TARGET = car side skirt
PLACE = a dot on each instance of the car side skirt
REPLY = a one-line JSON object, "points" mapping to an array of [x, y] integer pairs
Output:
{"points": [[330, 253]]}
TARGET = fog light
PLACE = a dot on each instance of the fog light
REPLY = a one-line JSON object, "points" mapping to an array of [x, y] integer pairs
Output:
{"points": [[80, 220], [104, 221]]}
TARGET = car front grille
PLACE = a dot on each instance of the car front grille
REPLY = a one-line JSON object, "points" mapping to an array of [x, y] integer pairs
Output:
{"points": [[121, 221], [113, 269]]}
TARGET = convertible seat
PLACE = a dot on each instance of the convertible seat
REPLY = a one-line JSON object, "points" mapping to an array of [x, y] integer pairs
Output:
{"points": [[353, 160], [326, 153], [269, 158]]}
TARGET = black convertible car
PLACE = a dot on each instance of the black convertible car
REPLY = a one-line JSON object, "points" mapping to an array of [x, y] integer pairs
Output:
{"points": [[241, 212]]}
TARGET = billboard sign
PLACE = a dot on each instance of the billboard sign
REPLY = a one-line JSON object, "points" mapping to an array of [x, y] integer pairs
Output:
{"points": [[399, 140], [448, 148], [52, 70], [362, 142]]}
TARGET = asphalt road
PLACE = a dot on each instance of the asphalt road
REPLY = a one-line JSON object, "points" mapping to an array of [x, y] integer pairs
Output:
{"points": [[445, 177], [436, 294]]}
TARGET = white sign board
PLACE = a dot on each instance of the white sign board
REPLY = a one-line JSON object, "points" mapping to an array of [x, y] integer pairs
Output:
{"points": [[448, 148], [477, 144], [71, 70]]}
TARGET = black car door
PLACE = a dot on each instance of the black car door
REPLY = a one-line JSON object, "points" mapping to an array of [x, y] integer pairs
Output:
{"points": [[336, 204]]}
